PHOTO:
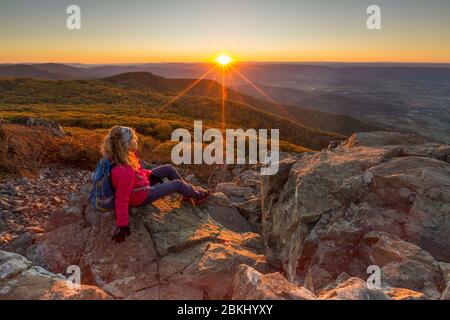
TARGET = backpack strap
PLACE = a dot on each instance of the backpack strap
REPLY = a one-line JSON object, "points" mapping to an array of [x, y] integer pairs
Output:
{"points": [[111, 166]]}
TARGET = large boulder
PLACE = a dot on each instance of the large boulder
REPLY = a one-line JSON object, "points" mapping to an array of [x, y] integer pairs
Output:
{"points": [[175, 251], [446, 293], [250, 284], [320, 210], [383, 138], [352, 288], [403, 264], [52, 126], [277, 249], [445, 267], [20, 280], [235, 193], [244, 192], [251, 210]]}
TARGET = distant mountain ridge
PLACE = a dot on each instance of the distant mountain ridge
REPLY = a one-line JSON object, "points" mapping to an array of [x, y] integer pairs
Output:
{"points": [[26, 71], [56, 71], [276, 72]]}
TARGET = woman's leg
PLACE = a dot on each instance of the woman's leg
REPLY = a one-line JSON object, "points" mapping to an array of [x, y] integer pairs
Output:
{"points": [[175, 186], [167, 171]]}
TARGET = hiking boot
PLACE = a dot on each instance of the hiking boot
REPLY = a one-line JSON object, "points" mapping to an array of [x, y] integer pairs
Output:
{"points": [[204, 198], [196, 202]]}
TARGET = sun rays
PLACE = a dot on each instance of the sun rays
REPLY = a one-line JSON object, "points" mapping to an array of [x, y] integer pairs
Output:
{"points": [[225, 70], [182, 93]]}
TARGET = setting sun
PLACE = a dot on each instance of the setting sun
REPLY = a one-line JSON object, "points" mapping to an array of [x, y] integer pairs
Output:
{"points": [[224, 59]]}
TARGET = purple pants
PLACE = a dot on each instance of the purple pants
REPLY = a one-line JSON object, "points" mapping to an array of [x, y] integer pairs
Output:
{"points": [[176, 184]]}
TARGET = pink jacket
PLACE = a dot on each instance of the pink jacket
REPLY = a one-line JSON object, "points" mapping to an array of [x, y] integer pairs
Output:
{"points": [[131, 190]]}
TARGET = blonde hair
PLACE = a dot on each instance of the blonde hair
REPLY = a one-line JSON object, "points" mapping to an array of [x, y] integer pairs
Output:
{"points": [[117, 148]]}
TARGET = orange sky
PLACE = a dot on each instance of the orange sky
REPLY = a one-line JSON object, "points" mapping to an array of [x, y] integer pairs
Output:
{"points": [[139, 31]]}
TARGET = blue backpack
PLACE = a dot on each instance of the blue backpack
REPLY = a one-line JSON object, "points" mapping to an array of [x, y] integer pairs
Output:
{"points": [[102, 193]]}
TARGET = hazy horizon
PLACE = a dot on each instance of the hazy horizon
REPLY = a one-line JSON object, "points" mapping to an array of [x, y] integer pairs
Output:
{"points": [[240, 62]]}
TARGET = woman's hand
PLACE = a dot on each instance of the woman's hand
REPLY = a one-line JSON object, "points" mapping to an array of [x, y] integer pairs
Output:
{"points": [[120, 234]]}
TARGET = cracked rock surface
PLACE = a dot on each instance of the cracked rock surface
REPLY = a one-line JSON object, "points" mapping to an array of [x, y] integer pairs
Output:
{"points": [[381, 198], [19, 279], [175, 251]]}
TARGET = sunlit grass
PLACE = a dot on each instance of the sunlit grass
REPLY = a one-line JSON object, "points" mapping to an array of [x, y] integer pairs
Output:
{"points": [[98, 104]]}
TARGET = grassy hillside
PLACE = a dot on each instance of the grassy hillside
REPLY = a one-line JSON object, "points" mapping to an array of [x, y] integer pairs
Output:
{"points": [[24, 149], [341, 124], [145, 105]]}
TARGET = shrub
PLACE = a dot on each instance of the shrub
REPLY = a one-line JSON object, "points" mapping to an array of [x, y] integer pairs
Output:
{"points": [[23, 150], [163, 131]]}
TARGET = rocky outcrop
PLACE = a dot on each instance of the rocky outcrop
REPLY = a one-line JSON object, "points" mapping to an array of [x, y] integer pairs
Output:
{"points": [[26, 204], [403, 264], [176, 251], [445, 268], [250, 284], [251, 210], [52, 126], [19, 279], [372, 201], [379, 201], [244, 192], [352, 288], [446, 293], [384, 138], [236, 193]]}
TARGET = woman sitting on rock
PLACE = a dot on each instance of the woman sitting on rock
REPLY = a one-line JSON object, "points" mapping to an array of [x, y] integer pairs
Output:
{"points": [[132, 182]]}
